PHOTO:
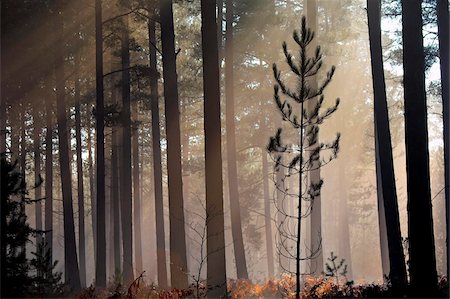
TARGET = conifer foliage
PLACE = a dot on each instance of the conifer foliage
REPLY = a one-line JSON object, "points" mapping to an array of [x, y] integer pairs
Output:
{"points": [[304, 154], [22, 276]]}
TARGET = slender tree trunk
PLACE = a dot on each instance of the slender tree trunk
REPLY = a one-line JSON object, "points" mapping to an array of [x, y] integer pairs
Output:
{"points": [[2, 152], [115, 200], [385, 269], [397, 266], [314, 175], [91, 182], [215, 240], [70, 251], [100, 261], [49, 179], [157, 168], [235, 210], [136, 193], [81, 226], [37, 172], [178, 259], [126, 188], [268, 214], [443, 28], [423, 275]]}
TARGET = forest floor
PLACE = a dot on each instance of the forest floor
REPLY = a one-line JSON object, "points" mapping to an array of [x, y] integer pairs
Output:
{"points": [[315, 287]]}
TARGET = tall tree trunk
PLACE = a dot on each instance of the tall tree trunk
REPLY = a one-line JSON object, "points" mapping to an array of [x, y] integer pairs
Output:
{"points": [[2, 152], [126, 188], [115, 200], [443, 28], [314, 175], [81, 226], [37, 180], [70, 249], [423, 275], [178, 260], [267, 214], [136, 193], [215, 240], [49, 179], [157, 168], [91, 182], [235, 209], [397, 266], [385, 268], [100, 261]]}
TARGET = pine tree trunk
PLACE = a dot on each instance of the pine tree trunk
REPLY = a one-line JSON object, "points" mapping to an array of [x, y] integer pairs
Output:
{"points": [[2, 151], [136, 193], [91, 182], [267, 214], [178, 259], [115, 200], [235, 210], [385, 268], [37, 172], [100, 262], [126, 188], [423, 275], [317, 263], [443, 28], [397, 266], [157, 168], [70, 251], [216, 266], [49, 179], [80, 185]]}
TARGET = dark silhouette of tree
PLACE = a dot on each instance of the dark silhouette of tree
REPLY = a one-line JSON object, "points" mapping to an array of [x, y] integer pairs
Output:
{"points": [[178, 259], [443, 29], [397, 273], [70, 247], [136, 189], [22, 276], [125, 177], [100, 269], [215, 240], [235, 209], [303, 153], [157, 167], [422, 260]]}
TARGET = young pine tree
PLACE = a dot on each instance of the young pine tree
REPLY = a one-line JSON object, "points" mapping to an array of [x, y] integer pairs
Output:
{"points": [[304, 154]]}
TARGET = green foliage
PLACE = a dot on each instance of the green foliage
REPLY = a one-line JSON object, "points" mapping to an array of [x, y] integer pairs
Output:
{"points": [[22, 277]]}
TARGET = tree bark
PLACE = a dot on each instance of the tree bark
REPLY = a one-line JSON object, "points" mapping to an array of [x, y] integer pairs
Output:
{"points": [[37, 172], [49, 179], [100, 261], [157, 168], [235, 210], [80, 185], [385, 268], [443, 29], [267, 214], [216, 266], [136, 192], [126, 188], [423, 275], [178, 260], [383, 150], [70, 251], [91, 182]]}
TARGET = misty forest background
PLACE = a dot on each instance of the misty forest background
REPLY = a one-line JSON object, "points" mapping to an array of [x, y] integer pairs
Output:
{"points": [[141, 129]]}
